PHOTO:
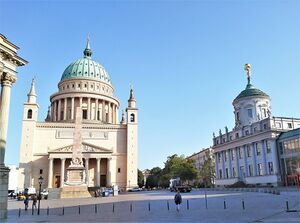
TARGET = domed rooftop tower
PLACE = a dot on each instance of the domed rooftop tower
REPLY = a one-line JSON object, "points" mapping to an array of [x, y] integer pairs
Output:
{"points": [[86, 84], [252, 104]]}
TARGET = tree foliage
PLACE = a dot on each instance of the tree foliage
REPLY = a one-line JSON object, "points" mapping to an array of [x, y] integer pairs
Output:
{"points": [[207, 171], [175, 166], [140, 178]]}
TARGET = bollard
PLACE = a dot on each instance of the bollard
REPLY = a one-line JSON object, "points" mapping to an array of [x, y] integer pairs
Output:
{"points": [[243, 204], [19, 212], [96, 209], [63, 212], [287, 205], [130, 207], [168, 206], [113, 207], [78, 209], [149, 206], [187, 205], [48, 210], [224, 204]]}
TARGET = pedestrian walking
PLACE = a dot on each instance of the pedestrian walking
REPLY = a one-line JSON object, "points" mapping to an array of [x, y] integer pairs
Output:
{"points": [[26, 203], [178, 200], [34, 201]]}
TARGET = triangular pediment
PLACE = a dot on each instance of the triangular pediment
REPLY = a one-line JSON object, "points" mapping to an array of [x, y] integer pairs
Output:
{"points": [[86, 148]]}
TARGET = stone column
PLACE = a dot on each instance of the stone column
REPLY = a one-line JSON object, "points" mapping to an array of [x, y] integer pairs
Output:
{"points": [[50, 173], [264, 153], [62, 172], [87, 171], [59, 110], [117, 115], [98, 172], [223, 164], [72, 108], [103, 111], [54, 111], [89, 109], [217, 165], [96, 110], [109, 112], [65, 108], [108, 177], [6, 82], [80, 102], [255, 173]]}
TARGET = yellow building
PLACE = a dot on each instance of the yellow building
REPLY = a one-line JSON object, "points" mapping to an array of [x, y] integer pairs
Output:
{"points": [[109, 147]]}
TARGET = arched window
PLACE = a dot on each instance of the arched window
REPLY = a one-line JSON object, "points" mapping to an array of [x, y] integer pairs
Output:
{"points": [[132, 118], [29, 114]]}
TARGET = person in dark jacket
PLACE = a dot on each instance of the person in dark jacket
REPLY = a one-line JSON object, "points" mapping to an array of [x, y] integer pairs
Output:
{"points": [[178, 200], [26, 203]]}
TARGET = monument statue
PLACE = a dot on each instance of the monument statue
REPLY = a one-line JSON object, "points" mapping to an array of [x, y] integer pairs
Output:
{"points": [[76, 170]]}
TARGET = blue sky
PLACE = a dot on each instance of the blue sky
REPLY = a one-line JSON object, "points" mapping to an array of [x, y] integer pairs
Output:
{"points": [[184, 58]]}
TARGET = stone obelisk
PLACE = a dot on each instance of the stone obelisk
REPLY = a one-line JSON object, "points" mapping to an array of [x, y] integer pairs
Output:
{"points": [[75, 185]]}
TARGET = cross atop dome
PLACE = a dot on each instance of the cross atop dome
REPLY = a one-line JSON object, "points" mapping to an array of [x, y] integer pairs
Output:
{"points": [[87, 51]]}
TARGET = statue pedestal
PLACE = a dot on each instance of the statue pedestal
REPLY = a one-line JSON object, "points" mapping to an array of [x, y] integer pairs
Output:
{"points": [[75, 186], [4, 173]]}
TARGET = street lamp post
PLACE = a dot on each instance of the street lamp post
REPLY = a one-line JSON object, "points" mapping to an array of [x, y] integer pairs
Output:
{"points": [[40, 183]]}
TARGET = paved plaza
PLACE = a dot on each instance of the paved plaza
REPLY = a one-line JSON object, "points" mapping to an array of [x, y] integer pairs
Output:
{"points": [[158, 206]]}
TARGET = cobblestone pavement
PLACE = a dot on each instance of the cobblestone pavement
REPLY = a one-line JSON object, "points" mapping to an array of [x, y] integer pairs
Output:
{"points": [[158, 206]]}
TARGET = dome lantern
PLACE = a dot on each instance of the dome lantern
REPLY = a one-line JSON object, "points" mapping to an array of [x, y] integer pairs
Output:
{"points": [[87, 51]]}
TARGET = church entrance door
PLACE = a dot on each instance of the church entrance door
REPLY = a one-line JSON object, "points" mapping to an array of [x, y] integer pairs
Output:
{"points": [[103, 181], [57, 182]]}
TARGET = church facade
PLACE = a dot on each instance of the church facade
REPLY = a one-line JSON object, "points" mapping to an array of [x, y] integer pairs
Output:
{"points": [[249, 152], [109, 146]]}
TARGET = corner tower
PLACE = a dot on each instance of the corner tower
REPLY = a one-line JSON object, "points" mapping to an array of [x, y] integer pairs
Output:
{"points": [[252, 104], [132, 141]]}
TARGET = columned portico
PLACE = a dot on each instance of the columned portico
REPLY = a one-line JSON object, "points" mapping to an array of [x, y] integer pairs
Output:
{"points": [[9, 61]]}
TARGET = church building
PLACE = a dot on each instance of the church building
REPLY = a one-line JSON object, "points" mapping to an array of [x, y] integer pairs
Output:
{"points": [[109, 146]]}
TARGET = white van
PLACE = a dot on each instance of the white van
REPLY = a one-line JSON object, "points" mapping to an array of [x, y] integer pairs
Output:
{"points": [[30, 190]]}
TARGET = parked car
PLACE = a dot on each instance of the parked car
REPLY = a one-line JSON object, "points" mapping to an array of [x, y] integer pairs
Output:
{"points": [[135, 189], [44, 194], [29, 191], [12, 194], [21, 197]]}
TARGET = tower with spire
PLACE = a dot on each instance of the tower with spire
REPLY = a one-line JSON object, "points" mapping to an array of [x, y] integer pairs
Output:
{"points": [[30, 116], [132, 140]]}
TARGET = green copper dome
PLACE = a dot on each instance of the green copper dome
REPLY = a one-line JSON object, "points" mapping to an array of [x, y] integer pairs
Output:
{"points": [[251, 91], [86, 68]]}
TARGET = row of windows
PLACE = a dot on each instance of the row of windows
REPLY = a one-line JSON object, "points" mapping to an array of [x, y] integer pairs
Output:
{"points": [[250, 170], [68, 86], [249, 150], [289, 146]]}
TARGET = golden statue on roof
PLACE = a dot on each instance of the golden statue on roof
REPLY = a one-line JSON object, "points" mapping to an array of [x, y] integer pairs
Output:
{"points": [[247, 68]]}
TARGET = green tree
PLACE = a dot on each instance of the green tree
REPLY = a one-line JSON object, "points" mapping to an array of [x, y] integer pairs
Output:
{"points": [[140, 178], [178, 166], [153, 178], [207, 171]]}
